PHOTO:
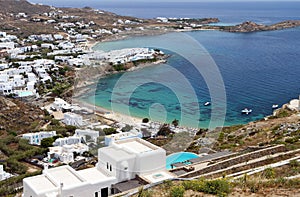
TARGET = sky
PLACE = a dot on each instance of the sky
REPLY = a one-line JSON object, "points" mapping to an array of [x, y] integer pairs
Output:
{"points": [[90, 1], [96, 3]]}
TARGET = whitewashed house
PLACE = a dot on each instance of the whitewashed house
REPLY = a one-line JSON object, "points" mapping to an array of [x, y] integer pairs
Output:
{"points": [[48, 46], [72, 119], [108, 139], [7, 45], [58, 37], [87, 132], [4, 175], [122, 161], [18, 80], [36, 138], [65, 153], [31, 77], [3, 34], [3, 66], [60, 104], [4, 77], [67, 141]]}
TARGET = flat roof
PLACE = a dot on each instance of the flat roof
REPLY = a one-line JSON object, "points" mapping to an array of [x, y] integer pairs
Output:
{"points": [[40, 183], [135, 145], [64, 175], [94, 175], [117, 154]]}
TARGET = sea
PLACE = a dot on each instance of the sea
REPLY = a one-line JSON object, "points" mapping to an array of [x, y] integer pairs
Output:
{"points": [[233, 71]]}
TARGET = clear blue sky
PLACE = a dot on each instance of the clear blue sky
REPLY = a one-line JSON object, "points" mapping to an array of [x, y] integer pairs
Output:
{"points": [[98, 1], [81, 3]]}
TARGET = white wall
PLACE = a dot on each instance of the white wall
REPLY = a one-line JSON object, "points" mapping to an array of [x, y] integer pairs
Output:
{"points": [[151, 161]]}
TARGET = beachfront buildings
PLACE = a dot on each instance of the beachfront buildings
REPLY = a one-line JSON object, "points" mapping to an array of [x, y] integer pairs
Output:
{"points": [[36, 138], [121, 161], [72, 119]]}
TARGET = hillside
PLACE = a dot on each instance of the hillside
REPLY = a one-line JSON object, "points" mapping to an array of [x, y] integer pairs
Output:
{"points": [[17, 117], [17, 6], [35, 20]]}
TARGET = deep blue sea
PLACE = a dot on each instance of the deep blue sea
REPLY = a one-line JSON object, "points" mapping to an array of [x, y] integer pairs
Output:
{"points": [[257, 69]]}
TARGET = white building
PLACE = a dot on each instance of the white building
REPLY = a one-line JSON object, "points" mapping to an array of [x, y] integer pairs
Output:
{"points": [[65, 153], [60, 104], [108, 139], [4, 175], [72, 119], [122, 161], [67, 141], [65, 181], [125, 159], [87, 132], [36, 138]]}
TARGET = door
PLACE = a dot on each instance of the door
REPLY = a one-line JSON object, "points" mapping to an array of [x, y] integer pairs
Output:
{"points": [[104, 192]]}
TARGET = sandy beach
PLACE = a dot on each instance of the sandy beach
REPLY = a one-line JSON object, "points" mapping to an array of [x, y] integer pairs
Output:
{"points": [[108, 114]]}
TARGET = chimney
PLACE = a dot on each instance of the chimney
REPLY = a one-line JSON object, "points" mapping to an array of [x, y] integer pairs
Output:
{"points": [[60, 190], [45, 168]]}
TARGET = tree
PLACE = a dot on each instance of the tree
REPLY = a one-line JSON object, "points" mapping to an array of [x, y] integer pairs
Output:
{"points": [[109, 131], [175, 122], [126, 128], [145, 120], [47, 142], [164, 130]]}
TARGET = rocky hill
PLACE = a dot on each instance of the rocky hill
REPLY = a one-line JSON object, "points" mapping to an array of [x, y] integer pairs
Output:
{"points": [[21, 6], [250, 26]]}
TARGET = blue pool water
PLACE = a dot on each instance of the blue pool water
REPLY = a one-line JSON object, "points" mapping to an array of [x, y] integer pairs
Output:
{"points": [[179, 157]]}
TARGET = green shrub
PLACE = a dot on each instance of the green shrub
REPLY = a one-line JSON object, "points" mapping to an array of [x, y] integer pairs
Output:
{"points": [[145, 120], [294, 163], [144, 193], [177, 191], [269, 173], [109, 131], [167, 184], [47, 142], [220, 187], [292, 140]]}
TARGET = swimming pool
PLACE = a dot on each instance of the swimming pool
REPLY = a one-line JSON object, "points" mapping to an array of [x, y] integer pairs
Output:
{"points": [[179, 157]]}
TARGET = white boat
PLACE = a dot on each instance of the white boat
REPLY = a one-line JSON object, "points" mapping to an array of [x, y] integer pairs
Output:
{"points": [[207, 104], [274, 106], [246, 111]]}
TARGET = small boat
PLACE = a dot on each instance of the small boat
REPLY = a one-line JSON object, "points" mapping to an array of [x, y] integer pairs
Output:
{"points": [[207, 104], [274, 106], [246, 111]]}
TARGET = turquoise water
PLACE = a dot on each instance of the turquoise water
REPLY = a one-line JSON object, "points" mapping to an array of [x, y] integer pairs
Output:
{"points": [[179, 157], [258, 70]]}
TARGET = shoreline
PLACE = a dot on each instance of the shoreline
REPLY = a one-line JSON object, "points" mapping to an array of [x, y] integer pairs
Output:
{"points": [[109, 114]]}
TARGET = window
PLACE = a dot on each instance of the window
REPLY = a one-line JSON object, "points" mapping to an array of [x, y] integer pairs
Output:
{"points": [[96, 194], [110, 168], [107, 165]]}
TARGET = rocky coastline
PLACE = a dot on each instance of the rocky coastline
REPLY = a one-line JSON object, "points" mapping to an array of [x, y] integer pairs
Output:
{"points": [[250, 26]]}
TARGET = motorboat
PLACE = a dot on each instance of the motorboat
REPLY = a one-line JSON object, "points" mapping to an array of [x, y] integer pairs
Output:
{"points": [[207, 104], [246, 111], [274, 106]]}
